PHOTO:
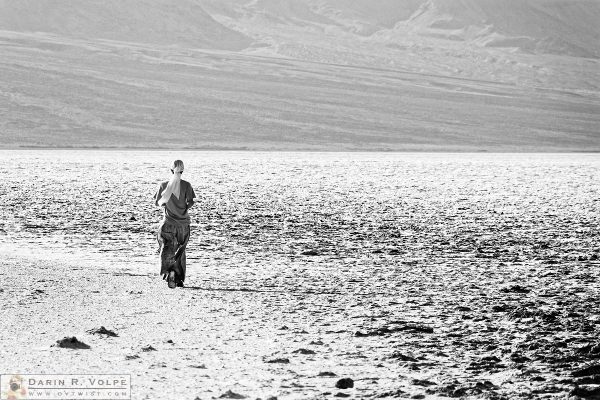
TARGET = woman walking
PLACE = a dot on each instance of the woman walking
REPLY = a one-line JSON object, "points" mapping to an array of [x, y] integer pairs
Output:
{"points": [[176, 196]]}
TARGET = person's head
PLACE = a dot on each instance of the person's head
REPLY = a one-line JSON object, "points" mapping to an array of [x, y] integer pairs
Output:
{"points": [[177, 167]]}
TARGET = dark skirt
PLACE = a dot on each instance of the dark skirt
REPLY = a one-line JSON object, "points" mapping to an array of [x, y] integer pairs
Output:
{"points": [[173, 239]]}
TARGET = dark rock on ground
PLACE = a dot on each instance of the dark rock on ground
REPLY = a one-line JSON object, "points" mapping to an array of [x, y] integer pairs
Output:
{"points": [[231, 395], [303, 351], [103, 331], [310, 253], [422, 382], [515, 289], [148, 348], [326, 373], [278, 361], [340, 394], [344, 383], [133, 357], [500, 308], [71, 343]]}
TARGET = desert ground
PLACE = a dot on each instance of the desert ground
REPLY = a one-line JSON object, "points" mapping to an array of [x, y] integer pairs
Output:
{"points": [[423, 275]]}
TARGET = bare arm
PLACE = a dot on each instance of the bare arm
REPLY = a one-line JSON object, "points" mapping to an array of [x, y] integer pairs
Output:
{"points": [[158, 195]]}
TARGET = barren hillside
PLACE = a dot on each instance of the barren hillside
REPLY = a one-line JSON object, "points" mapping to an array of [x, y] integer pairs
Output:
{"points": [[301, 74]]}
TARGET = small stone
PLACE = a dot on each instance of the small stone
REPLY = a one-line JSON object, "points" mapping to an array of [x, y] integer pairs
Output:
{"points": [[103, 331], [132, 218], [326, 373], [148, 348], [133, 357], [310, 253], [340, 394], [303, 351], [231, 395], [423, 382], [279, 361], [170, 341], [344, 383], [71, 343], [515, 289], [500, 308]]}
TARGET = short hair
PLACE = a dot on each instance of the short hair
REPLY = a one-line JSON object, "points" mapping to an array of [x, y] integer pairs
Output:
{"points": [[176, 163]]}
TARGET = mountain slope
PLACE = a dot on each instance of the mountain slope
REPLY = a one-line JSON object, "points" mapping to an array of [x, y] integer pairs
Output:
{"points": [[159, 22], [487, 75], [567, 27], [564, 27]]}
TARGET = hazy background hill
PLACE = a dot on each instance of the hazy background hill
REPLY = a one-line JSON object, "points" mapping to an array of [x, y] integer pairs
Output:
{"points": [[158, 22], [541, 26], [301, 74]]}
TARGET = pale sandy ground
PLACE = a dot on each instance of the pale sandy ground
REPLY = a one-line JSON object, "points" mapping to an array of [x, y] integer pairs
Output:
{"points": [[227, 323], [465, 275]]}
